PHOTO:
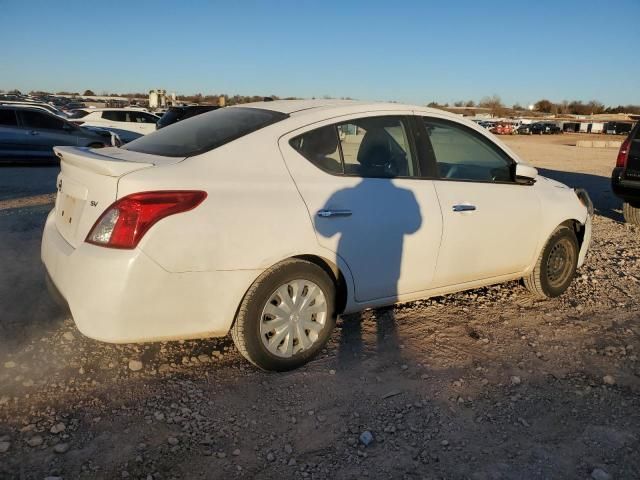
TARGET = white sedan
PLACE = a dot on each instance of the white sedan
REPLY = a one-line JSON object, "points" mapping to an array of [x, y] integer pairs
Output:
{"points": [[270, 219], [128, 123]]}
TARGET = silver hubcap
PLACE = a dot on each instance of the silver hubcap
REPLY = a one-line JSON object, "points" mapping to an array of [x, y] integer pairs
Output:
{"points": [[293, 317]]}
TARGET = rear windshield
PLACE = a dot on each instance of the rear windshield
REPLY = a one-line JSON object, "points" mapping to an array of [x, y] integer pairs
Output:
{"points": [[204, 132]]}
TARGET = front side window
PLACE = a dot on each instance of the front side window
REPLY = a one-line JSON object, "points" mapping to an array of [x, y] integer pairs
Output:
{"points": [[37, 120], [8, 118], [462, 154], [375, 147], [205, 132]]}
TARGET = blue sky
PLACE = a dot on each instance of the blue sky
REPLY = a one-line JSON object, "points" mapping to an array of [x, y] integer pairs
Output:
{"points": [[408, 51]]}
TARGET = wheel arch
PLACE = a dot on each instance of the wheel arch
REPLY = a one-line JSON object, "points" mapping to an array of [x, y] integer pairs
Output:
{"points": [[577, 227], [342, 290], [580, 229]]}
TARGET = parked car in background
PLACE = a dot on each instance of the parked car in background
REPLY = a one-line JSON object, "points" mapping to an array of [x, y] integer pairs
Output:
{"points": [[40, 105], [625, 178], [383, 203], [128, 123], [502, 129], [524, 129], [32, 132], [79, 113], [176, 114], [73, 105], [541, 128]]}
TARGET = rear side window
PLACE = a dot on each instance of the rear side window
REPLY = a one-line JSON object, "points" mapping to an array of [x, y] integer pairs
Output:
{"points": [[320, 147], [204, 132], [373, 147], [115, 115], [38, 120], [8, 118], [141, 117]]}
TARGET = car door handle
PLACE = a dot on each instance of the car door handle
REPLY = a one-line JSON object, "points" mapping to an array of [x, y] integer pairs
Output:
{"points": [[464, 208], [33, 132], [334, 213]]}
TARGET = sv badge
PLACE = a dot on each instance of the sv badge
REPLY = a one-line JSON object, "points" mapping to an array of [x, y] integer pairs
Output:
{"points": [[94, 203]]}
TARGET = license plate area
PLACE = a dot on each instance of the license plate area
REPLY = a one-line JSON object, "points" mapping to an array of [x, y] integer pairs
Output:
{"points": [[69, 206]]}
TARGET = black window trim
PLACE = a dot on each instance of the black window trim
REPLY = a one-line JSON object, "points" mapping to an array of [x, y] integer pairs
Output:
{"points": [[431, 163], [409, 128]]}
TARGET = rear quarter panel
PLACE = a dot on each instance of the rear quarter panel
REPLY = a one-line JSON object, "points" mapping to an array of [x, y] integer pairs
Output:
{"points": [[252, 218]]}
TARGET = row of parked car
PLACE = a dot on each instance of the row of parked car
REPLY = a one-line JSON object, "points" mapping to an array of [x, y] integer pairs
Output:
{"points": [[505, 128], [30, 130]]}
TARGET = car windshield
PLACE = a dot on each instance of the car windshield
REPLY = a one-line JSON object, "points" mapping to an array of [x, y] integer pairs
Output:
{"points": [[205, 132]]}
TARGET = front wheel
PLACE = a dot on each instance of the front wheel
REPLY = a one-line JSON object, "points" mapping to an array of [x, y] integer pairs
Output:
{"points": [[556, 266], [286, 317], [631, 213]]}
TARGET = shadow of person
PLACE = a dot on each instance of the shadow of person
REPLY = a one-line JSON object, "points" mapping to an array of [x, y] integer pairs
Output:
{"points": [[375, 216]]}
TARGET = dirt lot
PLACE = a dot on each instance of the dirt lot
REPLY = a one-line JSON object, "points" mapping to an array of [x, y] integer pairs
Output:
{"points": [[486, 384]]}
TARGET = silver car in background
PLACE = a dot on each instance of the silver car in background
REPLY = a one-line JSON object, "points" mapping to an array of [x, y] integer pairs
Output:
{"points": [[27, 132]]}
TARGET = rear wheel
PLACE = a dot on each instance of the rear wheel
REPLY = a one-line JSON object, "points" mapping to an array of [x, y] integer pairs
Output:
{"points": [[631, 213], [556, 266], [286, 317]]}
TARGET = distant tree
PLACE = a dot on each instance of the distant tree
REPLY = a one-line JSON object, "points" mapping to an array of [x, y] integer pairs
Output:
{"points": [[494, 103], [595, 107], [517, 106], [576, 107], [433, 105], [459, 103], [544, 106], [88, 93], [470, 103]]}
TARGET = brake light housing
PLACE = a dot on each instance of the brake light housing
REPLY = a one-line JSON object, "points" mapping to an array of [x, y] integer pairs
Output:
{"points": [[128, 219], [623, 154]]}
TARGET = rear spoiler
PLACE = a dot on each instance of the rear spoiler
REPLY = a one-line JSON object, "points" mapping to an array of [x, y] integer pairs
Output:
{"points": [[99, 161]]}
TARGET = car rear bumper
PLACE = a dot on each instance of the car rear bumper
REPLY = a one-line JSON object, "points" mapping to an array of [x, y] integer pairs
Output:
{"points": [[627, 190], [123, 296]]}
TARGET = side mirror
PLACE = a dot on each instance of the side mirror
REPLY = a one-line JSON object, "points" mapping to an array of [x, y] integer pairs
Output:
{"points": [[526, 173]]}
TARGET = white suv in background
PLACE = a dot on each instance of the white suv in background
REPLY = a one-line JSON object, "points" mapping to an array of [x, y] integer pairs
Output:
{"points": [[129, 124]]}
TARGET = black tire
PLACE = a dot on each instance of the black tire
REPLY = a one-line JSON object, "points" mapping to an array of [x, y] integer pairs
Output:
{"points": [[246, 328], [552, 276], [631, 213]]}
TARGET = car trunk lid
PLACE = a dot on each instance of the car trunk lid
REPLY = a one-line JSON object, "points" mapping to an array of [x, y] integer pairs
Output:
{"points": [[88, 184]]}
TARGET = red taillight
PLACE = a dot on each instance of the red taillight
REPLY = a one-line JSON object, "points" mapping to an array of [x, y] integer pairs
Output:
{"points": [[125, 222], [623, 154]]}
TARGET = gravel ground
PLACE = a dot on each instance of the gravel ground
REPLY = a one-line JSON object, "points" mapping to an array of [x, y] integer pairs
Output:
{"points": [[486, 384]]}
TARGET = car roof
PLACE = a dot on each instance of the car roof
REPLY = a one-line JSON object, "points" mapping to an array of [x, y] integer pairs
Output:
{"points": [[298, 108], [36, 108]]}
